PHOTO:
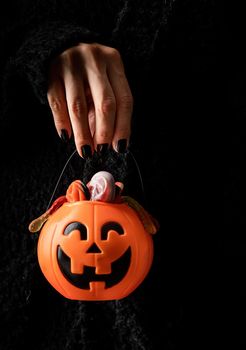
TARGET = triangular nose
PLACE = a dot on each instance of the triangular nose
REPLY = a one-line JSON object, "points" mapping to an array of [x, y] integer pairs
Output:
{"points": [[93, 249]]}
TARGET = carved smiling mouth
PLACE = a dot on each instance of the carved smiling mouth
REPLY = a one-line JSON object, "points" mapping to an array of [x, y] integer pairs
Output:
{"points": [[119, 269]]}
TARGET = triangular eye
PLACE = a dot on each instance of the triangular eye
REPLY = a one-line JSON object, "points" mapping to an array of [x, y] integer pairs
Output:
{"points": [[76, 226], [111, 226]]}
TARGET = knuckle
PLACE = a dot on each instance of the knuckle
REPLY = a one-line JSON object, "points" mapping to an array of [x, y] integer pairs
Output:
{"points": [[78, 107], [71, 60], [69, 53], [126, 102], [108, 105], [94, 47], [94, 50], [114, 54], [55, 104], [91, 56], [65, 57]]}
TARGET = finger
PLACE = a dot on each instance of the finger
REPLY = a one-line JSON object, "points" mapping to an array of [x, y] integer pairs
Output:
{"points": [[91, 111], [104, 103], [124, 103], [57, 102], [92, 120], [78, 112]]}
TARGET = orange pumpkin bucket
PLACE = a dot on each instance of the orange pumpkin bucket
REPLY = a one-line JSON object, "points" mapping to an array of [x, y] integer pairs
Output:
{"points": [[93, 249]]}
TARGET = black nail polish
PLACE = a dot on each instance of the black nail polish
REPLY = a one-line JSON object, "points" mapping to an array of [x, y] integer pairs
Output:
{"points": [[102, 149], [121, 146], [64, 135], [86, 151]]}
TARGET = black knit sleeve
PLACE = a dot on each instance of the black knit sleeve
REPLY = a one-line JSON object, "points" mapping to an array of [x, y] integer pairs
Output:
{"points": [[32, 59]]}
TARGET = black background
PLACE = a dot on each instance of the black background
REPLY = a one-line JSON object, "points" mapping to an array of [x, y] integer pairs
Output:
{"points": [[189, 139]]}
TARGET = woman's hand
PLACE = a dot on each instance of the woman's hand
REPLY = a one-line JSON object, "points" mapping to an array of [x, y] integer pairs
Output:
{"points": [[89, 95]]}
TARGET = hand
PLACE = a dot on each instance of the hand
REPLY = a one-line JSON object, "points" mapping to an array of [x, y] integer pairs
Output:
{"points": [[89, 96]]}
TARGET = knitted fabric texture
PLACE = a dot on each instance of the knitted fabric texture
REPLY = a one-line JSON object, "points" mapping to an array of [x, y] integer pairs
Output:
{"points": [[32, 314]]}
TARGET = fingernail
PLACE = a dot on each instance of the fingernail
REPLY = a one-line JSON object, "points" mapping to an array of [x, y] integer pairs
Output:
{"points": [[64, 135], [102, 148], [121, 146], [86, 151]]}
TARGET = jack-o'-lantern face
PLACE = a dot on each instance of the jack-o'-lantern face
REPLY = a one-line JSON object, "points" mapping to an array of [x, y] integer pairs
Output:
{"points": [[95, 250], [108, 264]]}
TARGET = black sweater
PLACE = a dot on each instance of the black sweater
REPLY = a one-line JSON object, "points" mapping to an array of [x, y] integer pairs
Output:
{"points": [[170, 53]]}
